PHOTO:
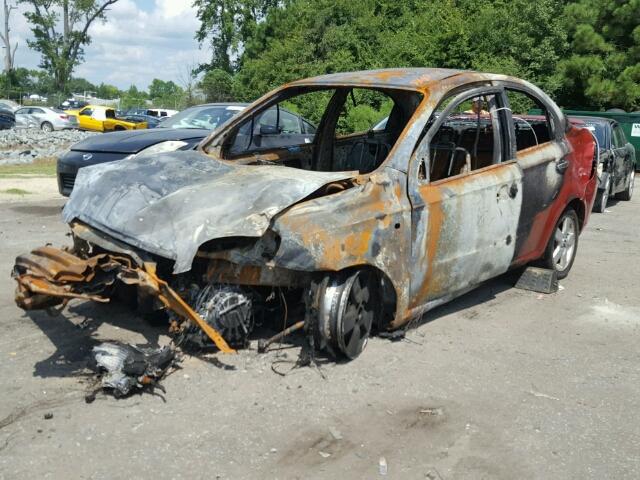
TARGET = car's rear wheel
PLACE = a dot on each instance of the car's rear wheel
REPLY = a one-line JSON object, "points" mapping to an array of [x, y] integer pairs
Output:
{"points": [[563, 244], [46, 127], [602, 198], [348, 310], [628, 192]]}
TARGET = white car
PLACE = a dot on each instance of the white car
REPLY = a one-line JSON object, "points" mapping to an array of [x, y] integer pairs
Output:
{"points": [[45, 118], [161, 112]]}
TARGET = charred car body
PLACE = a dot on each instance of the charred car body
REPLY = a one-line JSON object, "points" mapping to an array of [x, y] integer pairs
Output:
{"points": [[367, 229]]}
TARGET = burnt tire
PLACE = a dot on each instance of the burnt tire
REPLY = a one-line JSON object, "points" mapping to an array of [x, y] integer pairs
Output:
{"points": [[602, 198], [46, 127], [348, 310], [628, 192], [563, 244]]}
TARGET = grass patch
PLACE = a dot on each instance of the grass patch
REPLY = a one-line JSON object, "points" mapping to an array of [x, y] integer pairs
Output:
{"points": [[43, 167], [16, 191]]}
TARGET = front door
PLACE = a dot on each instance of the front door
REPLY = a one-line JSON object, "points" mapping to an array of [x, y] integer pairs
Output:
{"points": [[466, 199]]}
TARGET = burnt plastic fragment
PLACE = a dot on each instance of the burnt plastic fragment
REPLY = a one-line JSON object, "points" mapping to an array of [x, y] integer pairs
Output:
{"points": [[124, 369]]}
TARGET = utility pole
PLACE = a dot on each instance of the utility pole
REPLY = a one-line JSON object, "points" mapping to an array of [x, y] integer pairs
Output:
{"points": [[9, 53]]}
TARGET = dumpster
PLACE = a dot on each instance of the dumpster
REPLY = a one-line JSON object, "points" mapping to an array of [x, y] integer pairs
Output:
{"points": [[630, 123]]}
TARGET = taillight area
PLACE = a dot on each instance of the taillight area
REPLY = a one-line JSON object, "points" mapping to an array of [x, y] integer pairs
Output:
{"points": [[64, 117]]}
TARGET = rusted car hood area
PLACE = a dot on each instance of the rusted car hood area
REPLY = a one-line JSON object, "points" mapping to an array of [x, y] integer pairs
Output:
{"points": [[170, 204]]}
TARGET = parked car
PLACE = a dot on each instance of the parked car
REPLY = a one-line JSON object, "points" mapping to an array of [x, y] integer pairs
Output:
{"points": [[45, 118], [7, 119], [616, 166], [152, 122], [183, 131], [161, 112], [362, 230], [9, 105], [72, 104], [99, 118]]}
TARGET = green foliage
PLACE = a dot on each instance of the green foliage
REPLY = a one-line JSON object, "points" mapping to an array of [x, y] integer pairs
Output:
{"points": [[226, 24], [217, 85], [603, 70], [107, 91]]}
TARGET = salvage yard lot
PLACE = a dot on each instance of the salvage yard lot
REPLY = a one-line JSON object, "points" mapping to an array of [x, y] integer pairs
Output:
{"points": [[500, 383]]}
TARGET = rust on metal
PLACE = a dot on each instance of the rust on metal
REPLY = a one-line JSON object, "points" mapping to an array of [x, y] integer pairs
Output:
{"points": [[363, 211], [48, 276]]}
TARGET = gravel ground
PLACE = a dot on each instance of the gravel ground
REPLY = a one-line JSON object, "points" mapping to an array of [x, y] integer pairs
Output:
{"points": [[24, 145], [498, 384]]}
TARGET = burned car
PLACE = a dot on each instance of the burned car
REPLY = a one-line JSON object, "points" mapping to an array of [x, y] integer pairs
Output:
{"points": [[365, 230]]}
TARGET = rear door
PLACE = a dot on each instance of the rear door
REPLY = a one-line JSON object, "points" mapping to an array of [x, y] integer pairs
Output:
{"points": [[38, 115], [466, 196], [542, 154], [622, 158]]}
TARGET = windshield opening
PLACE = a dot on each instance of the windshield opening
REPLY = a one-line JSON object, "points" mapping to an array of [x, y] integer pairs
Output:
{"points": [[331, 129]]}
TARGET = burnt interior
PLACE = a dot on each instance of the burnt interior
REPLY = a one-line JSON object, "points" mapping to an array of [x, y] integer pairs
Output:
{"points": [[274, 135]]}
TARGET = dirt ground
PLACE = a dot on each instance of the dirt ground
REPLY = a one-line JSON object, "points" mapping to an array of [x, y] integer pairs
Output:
{"points": [[498, 384]]}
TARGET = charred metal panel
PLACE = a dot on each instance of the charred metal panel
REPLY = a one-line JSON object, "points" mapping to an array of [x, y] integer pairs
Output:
{"points": [[49, 276], [540, 188], [366, 225], [170, 204], [465, 231], [407, 78]]}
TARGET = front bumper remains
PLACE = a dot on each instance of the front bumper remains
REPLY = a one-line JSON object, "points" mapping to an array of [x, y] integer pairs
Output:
{"points": [[48, 277]]}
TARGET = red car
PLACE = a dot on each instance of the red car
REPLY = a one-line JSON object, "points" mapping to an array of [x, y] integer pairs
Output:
{"points": [[362, 228]]}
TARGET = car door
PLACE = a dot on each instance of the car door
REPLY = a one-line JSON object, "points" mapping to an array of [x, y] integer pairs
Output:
{"points": [[542, 153], [37, 116], [22, 117], [88, 119], [279, 128], [466, 196], [277, 136], [84, 118], [621, 158]]}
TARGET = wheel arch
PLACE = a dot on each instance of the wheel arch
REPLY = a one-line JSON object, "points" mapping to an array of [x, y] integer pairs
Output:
{"points": [[581, 210]]}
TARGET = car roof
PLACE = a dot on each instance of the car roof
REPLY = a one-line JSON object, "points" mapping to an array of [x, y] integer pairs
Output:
{"points": [[222, 104], [403, 78]]}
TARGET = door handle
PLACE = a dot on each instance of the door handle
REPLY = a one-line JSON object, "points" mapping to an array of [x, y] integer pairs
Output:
{"points": [[562, 165]]}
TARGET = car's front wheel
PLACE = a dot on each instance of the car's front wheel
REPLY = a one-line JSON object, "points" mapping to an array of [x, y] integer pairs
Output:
{"points": [[348, 310], [628, 192], [563, 244]]}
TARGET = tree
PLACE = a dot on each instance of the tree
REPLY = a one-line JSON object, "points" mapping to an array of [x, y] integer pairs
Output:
{"points": [[9, 52], [188, 78], [227, 24], [80, 85], [63, 50], [602, 69], [166, 94], [160, 88], [217, 86]]}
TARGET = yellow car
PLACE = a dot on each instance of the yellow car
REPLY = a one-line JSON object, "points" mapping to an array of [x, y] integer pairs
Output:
{"points": [[103, 119]]}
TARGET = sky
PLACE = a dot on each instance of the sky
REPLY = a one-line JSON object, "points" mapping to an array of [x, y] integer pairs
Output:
{"points": [[141, 40]]}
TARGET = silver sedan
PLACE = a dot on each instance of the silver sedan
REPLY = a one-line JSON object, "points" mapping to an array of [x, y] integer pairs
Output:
{"points": [[45, 118]]}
